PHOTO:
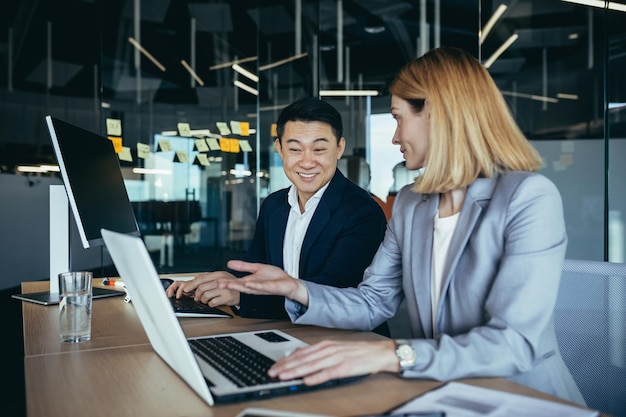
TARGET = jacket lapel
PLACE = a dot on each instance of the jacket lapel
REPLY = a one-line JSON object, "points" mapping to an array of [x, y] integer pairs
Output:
{"points": [[276, 231], [421, 235], [476, 197], [328, 203]]}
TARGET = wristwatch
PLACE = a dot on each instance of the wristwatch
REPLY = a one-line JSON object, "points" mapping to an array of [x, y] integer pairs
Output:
{"points": [[406, 354]]}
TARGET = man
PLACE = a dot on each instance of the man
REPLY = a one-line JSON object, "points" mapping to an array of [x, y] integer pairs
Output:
{"points": [[323, 228]]}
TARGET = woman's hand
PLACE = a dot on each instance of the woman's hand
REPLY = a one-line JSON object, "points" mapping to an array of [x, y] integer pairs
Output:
{"points": [[204, 288], [329, 360], [266, 280]]}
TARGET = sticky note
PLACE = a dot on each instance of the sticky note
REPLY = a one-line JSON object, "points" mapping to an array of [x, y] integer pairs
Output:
{"points": [[200, 145], [184, 130], [114, 127], [245, 145], [117, 143], [245, 128], [201, 159], [235, 127], [181, 156], [143, 151], [125, 154], [213, 144], [164, 145], [223, 128], [273, 131]]}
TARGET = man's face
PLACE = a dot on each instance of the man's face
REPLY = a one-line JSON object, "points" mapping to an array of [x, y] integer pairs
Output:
{"points": [[310, 152]]}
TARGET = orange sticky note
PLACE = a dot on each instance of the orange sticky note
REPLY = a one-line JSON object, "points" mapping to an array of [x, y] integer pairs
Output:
{"points": [[273, 132], [245, 128], [117, 143]]}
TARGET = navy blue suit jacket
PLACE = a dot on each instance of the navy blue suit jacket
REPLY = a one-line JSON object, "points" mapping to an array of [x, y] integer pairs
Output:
{"points": [[343, 236]]}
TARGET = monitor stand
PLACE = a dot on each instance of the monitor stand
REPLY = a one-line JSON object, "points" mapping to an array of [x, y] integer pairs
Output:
{"points": [[60, 251]]}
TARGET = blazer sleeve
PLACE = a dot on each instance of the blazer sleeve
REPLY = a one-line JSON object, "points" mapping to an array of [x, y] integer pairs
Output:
{"points": [[512, 331]]}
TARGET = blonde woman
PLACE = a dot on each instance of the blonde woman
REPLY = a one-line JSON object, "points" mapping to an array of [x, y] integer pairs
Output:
{"points": [[475, 246]]}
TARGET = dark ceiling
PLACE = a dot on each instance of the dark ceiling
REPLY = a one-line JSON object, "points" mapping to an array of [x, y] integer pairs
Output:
{"points": [[81, 49]]}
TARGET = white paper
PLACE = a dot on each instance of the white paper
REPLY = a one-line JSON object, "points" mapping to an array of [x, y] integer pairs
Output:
{"points": [[463, 400]]}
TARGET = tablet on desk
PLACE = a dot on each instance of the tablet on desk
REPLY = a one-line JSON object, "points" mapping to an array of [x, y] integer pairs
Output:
{"points": [[47, 298]]}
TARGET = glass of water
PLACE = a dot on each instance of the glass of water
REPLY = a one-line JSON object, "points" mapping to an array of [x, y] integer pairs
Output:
{"points": [[75, 306]]}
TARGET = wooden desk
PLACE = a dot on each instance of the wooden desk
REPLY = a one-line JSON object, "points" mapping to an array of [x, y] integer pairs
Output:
{"points": [[114, 324], [118, 374]]}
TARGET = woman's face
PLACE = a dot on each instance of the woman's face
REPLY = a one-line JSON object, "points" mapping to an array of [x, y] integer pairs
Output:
{"points": [[412, 132]]}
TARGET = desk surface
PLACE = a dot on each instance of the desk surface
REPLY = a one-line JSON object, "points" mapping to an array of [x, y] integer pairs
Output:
{"points": [[118, 374]]}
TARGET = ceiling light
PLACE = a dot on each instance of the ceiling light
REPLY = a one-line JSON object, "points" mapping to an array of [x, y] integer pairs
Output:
{"points": [[348, 93], [282, 61], [246, 87], [152, 171], [530, 96], [241, 70], [500, 50], [374, 24], [566, 96], [146, 53], [491, 23], [228, 64], [611, 5], [192, 72]]}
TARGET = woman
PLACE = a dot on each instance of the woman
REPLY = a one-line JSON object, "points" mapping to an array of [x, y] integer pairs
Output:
{"points": [[475, 246]]}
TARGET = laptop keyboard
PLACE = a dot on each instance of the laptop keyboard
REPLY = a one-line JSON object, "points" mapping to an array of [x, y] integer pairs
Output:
{"points": [[189, 305], [241, 364]]}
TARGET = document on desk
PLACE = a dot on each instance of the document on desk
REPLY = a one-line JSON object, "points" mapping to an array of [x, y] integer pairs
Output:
{"points": [[462, 400]]}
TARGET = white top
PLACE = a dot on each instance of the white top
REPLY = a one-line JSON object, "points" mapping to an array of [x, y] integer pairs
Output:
{"points": [[297, 225], [442, 235]]}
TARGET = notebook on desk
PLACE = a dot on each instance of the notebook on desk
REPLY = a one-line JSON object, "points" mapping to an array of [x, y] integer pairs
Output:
{"points": [[198, 361]]}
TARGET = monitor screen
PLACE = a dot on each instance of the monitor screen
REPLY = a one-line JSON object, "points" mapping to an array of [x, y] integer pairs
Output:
{"points": [[93, 180]]}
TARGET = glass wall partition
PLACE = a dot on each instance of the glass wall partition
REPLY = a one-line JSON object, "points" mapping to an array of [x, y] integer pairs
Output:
{"points": [[557, 63], [196, 88]]}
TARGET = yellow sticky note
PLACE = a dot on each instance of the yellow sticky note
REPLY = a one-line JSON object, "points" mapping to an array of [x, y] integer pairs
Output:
{"points": [[201, 145], [202, 159], [184, 130], [125, 154], [245, 128], [143, 151], [181, 156], [223, 128], [164, 145], [234, 145], [273, 132], [117, 143], [224, 145], [245, 145], [213, 144], [235, 127], [114, 127]]}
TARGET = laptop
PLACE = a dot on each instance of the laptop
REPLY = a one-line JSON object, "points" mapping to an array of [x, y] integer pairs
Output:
{"points": [[215, 378]]}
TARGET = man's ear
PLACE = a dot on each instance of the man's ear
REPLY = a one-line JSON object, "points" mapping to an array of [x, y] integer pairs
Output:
{"points": [[278, 147], [341, 147]]}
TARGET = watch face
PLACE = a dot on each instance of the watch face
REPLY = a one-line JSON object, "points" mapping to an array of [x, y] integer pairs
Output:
{"points": [[406, 354]]}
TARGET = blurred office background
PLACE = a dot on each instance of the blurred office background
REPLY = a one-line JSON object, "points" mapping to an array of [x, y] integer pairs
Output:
{"points": [[153, 64]]}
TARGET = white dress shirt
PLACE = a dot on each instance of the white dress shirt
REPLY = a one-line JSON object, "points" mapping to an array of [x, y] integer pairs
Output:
{"points": [[297, 225]]}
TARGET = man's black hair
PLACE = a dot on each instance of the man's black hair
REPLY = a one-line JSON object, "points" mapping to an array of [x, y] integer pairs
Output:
{"points": [[310, 109]]}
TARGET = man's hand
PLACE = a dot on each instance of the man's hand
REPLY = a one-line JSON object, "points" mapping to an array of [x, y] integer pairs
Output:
{"points": [[205, 289]]}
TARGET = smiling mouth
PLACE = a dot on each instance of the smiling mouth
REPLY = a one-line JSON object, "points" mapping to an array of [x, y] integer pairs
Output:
{"points": [[305, 175]]}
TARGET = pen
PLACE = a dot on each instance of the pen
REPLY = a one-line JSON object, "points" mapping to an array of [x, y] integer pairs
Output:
{"points": [[112, 282]]}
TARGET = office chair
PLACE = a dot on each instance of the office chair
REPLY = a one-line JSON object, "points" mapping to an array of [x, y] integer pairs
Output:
{"points": [[590, 323]]}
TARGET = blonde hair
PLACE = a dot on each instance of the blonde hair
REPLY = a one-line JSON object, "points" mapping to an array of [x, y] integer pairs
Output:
{"points": [[472, 131]]}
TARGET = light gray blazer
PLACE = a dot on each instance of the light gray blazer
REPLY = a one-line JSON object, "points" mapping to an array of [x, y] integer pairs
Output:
{"points": [[495, 317]]}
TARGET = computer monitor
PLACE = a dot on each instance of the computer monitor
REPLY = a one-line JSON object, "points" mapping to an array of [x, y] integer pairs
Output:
{"points": [[96, 194], [93, 180]]}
